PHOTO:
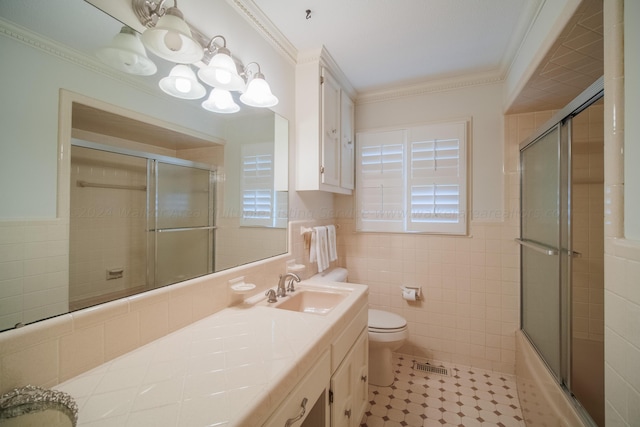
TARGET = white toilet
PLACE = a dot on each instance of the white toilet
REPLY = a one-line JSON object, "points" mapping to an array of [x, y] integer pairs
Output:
{"points": [[387, 333]]}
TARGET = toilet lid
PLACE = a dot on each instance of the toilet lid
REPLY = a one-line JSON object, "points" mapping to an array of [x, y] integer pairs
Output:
{"points": [[385, 320]]}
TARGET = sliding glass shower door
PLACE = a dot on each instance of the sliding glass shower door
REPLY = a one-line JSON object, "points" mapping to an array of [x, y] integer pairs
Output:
{"points": [[184, 222], [540, 183], [138, 221], [562, 239]]}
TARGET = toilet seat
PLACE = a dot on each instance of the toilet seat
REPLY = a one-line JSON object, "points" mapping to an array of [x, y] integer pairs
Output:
{"points": [[385, 322]]}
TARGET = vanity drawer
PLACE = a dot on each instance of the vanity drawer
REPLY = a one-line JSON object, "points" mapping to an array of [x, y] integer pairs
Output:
{"points": [[310, 387]]}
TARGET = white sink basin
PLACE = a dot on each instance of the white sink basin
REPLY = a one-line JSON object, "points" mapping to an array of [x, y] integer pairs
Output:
{"points": [[311, 301]]}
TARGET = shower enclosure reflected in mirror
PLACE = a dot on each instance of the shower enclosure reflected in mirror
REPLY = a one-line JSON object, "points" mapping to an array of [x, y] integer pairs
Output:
{"points": [[242, 157]]}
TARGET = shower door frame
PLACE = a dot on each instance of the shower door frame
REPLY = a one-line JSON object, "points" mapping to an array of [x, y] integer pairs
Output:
{"points": [[562, 120], [151, 221]]}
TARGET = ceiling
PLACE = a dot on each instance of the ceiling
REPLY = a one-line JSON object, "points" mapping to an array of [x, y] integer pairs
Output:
{"points": [[390, 44], [384, 44], [380, 44]]}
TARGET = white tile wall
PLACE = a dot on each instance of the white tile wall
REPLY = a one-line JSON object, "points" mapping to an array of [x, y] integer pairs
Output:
{"points": [[33, 270], [622, 257], [469, 313]]}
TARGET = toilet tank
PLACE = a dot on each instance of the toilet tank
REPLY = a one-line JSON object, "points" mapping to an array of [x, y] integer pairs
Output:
{"points": [[336, 275]]}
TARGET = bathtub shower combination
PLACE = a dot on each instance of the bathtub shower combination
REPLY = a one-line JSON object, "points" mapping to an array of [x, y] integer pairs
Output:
{"points": [[562, 249], [138, 221]]}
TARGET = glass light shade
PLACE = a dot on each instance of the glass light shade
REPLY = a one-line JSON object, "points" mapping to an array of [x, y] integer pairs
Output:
{"points": [[220, 101], [258, 93], [126, 53], [182, 83], [222, 72], [171, 39]]}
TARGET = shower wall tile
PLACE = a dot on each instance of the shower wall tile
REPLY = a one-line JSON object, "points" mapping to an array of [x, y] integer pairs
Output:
{"points": [[587, 223]]}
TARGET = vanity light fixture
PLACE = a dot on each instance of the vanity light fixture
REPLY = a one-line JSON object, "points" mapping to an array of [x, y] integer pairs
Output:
{"points": [[220, 101], [258, 93], [221, 71], [126, 53], [182, 83], [170, 38]]}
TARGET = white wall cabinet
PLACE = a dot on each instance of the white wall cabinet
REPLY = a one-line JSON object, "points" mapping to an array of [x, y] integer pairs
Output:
{"points": [[325, 129], [349, 385]]}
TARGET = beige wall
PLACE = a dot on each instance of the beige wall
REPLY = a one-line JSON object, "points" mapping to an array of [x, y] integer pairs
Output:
{"points": [[470, 310]]}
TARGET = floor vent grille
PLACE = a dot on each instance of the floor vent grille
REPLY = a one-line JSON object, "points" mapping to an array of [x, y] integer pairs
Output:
{"points": [[425, 367]]}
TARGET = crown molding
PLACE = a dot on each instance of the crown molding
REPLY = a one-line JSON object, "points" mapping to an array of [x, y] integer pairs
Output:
{"points": [[432, 86], [67, 54], [321, 55], [254, 15]]}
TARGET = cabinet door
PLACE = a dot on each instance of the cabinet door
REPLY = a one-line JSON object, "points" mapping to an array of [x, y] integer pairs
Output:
{"points": [[350, 386], [330, 130], [347, 159], [342, 389]]}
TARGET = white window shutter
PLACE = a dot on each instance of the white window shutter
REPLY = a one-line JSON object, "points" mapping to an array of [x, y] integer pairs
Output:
{"points": [[258, 204], [413, 180], [380, 170], [437, 178]]}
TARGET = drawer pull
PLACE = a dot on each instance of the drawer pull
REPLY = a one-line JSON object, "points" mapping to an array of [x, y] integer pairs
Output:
{"points": [[290, 421], [347, 412], [364, 378]]}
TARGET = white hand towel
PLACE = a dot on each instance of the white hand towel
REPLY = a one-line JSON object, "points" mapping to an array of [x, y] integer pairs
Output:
{"points": [[322, 248], [333, 248], [313, 246]]}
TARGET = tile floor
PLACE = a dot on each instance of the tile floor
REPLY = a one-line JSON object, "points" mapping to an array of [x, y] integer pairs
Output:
{"points": [[469, 397]]}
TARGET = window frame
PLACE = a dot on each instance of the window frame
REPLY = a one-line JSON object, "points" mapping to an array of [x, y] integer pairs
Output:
{"points": [[392, 219]]}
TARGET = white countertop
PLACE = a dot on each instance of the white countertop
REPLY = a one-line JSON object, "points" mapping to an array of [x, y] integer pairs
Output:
{"points": [[230, 369]]}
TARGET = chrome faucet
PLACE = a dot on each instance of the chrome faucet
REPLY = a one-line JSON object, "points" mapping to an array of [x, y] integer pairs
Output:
{"points": [[282, 290]]}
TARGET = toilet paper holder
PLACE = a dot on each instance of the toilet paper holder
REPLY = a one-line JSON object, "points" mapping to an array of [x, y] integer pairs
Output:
{"points": [[412, 290]]}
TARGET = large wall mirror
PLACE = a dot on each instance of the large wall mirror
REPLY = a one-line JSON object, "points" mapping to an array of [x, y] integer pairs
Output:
{"points": [[150, 190]]}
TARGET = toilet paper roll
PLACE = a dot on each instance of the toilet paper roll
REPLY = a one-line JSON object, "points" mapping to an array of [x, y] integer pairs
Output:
{"points": [[409, 294]]}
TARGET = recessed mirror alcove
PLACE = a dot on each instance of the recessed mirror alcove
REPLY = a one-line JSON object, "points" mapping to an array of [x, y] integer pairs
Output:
{"points": [[91, 154]]}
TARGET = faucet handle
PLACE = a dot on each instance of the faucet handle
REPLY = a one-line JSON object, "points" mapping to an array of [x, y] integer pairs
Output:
{"points": [[271, 295]]}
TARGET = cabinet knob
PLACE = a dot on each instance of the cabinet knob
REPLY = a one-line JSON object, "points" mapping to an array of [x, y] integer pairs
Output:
{"points": [[347, 412], [363, 378]]}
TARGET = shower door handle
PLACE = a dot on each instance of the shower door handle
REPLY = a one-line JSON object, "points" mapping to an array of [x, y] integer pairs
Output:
{"points": [[538, 247], [165, 230]]}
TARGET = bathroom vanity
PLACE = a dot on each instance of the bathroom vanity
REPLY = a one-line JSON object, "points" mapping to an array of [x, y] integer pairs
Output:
{"points": [[248, 365]]}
